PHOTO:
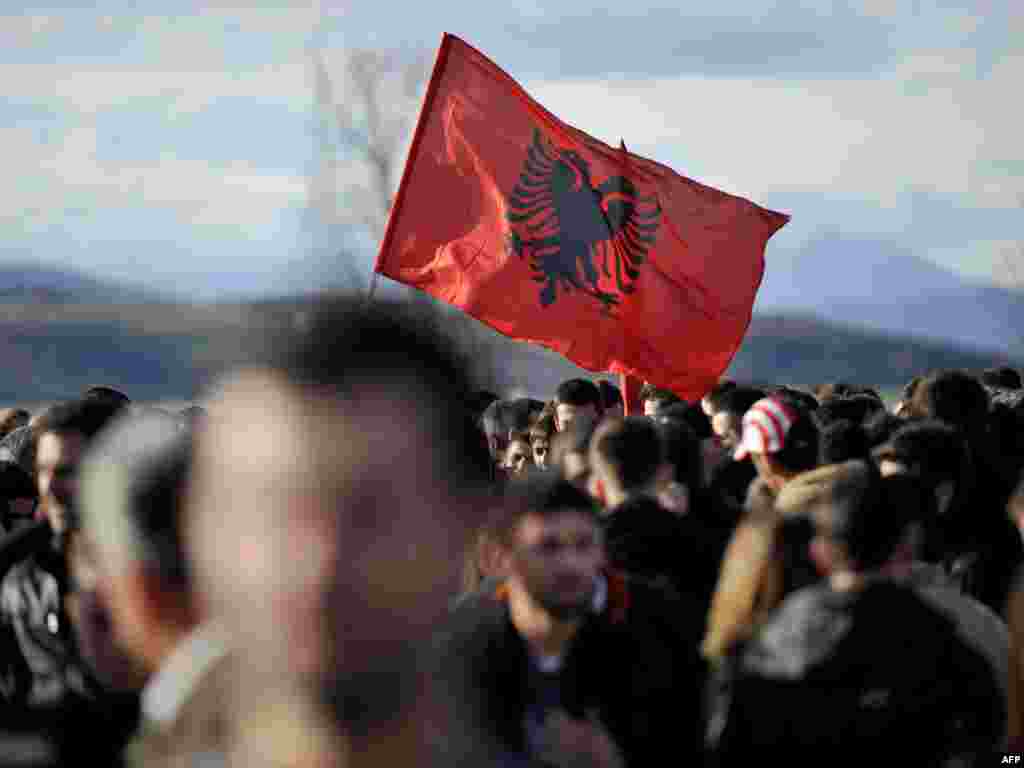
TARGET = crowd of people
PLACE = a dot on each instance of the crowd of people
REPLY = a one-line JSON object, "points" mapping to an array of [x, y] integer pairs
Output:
{"points": [[351, 555]]}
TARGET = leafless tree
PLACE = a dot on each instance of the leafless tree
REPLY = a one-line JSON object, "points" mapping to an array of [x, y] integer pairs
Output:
{"points": [[367, 101]]}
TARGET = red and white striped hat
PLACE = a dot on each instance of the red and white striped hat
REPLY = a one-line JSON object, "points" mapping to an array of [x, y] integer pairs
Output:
{"points": [[765, 427]]}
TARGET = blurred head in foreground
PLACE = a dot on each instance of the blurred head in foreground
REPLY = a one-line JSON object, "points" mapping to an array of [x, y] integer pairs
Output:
{"points": [[334, 489]]}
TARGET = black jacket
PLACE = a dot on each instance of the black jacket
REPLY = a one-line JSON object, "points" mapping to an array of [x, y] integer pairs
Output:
{"points": [[649, 542], [837, 675], [636, 663]]}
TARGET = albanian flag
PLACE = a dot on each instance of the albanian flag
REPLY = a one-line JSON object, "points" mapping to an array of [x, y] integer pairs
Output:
{"points": [[552, 237]]}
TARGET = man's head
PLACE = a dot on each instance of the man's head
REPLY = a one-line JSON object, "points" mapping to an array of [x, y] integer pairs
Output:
{"points": [[780, 438], [502, 417], [346, 473], [133, 483], [63, 435], [654, 399], [727, 421], [954, 397], [933, 452], [853, 528], [107, 395], [552, 543], [712, 401], [625, 458], [541, 432], [574, 399], [519, 454]]}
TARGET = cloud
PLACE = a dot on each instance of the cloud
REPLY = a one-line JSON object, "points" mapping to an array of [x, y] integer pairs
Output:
{"points": [[875, 139], [45, 182]]}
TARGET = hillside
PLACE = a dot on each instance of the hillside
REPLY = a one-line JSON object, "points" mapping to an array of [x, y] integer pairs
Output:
{"points": [[173, 351]]}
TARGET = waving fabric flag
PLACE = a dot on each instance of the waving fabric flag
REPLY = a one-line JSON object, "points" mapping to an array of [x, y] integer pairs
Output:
{"points": [[552, 237]]}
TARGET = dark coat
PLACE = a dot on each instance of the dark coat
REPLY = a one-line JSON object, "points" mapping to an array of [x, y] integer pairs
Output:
{"points": [[837, 674], [636, 664]]}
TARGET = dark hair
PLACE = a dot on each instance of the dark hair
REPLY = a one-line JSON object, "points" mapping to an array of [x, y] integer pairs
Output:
{"points": [[156, 503], [663, 396], [87, 416], [738, 401], [806, 400], [855, 408], [932, 450], [107, 394], [692, 416], [1003, 378], [842, 441], [800, 448], [545, 494], [346, 347], [714, 397], [855, 516], [680, 449], [631, 449], [954, 397], [610, 395], [579, 392]]}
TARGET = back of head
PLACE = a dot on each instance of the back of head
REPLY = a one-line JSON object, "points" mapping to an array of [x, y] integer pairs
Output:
{"points": [[107, 395], [843, 441], [1002, 378], [855, 408], [931, 450], [954, 397], [579, 392], [134, 478], [692, 415], [87, 416], [846, 505], [628, 451], [681, 450]]}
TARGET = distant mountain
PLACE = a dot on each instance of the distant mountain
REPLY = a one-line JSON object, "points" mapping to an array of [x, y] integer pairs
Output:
{"points": [[165, 351], [874, 284], [32, 282]]}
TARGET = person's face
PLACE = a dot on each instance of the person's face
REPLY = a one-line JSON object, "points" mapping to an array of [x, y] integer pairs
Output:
{"points": [[557, 560], [575, 468], [566, 414], [57, 458], [260, 525], [518, 457], [726, 427], [540, 453]]}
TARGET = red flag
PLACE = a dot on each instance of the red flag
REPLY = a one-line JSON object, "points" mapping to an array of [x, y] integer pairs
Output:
{"points": [[552, 237]]}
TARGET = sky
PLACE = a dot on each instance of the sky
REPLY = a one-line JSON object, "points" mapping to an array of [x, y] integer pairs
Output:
{"points": [[177, 145]]}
